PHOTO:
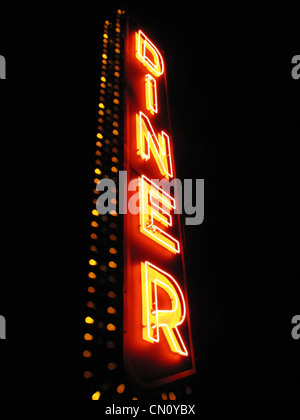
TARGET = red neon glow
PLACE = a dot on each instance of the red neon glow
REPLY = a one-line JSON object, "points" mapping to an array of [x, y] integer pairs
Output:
{"points": [[158, 346], [151, 94], [159, 145], [155, 205], [155, 317], [148, 54]]}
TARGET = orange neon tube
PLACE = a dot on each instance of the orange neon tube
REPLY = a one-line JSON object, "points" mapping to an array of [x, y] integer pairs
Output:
{"points": [[159, 145], [151, 94], [155, 208], [157, 318], [149, 55]]}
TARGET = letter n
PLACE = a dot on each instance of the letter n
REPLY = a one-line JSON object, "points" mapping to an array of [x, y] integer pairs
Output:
{"points": [[159, 145]]}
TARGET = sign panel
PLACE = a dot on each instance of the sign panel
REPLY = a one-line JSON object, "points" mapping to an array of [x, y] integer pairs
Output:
{"points": [[157, 338]]}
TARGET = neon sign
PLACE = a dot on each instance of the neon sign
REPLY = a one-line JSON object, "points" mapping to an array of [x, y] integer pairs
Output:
{"points": [[157, 335]]}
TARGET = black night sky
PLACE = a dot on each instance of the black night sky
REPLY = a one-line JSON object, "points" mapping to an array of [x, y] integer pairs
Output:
{"points": [[235, 121]]}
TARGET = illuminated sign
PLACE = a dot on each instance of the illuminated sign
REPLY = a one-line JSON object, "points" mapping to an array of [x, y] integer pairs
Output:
{"points": [[157, 336]]}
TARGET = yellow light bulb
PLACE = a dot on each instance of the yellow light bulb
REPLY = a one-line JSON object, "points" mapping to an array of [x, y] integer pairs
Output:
{"points": [[96, 396], [89, 320]]}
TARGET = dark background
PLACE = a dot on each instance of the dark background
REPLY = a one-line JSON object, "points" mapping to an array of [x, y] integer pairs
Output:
{"points": [[235, 116]]}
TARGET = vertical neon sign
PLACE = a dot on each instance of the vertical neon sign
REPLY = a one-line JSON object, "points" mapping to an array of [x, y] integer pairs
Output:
{"points": [[157, 338]]}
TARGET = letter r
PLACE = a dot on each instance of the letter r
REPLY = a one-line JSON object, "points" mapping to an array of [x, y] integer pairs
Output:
{"points": [[163, 308]]}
